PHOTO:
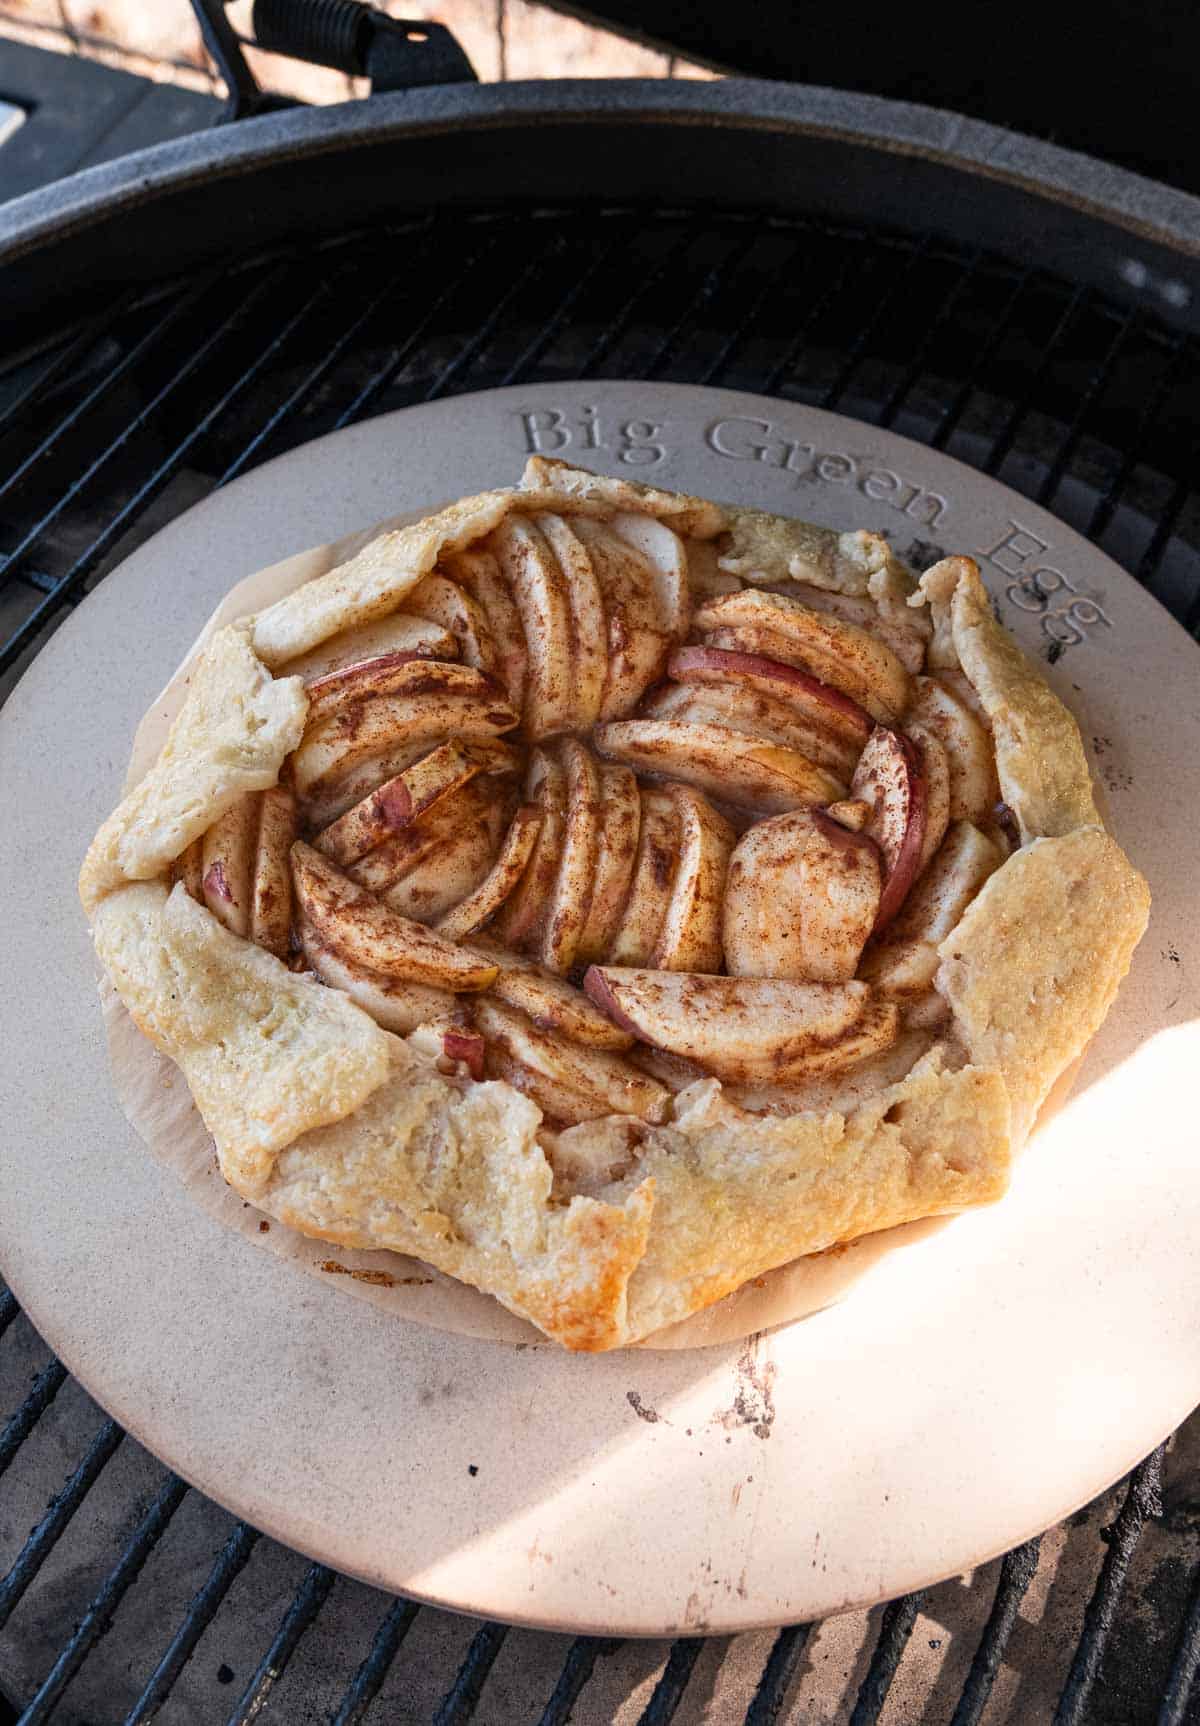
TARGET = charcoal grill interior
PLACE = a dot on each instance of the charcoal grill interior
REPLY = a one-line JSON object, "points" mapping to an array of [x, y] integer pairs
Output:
{"points": [[127, 1596]]}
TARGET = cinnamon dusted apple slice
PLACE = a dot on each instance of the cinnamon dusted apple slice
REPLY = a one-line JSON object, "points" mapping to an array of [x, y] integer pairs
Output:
{"points": [[439, 600], [551, 1003], [906, 640], [396, 1005], [479, 573], [662, 550], [801, 899], [739, 1028], [690, 936], [389, 635], [726, 764], [271, 889], [637, 641], [566, 914], [589, 628], [890, 778], [474, 911], [523, 916], [401, 799], [540, 593], [838, 653], [466, 1047], [635, 935], [936, 769], [469, 809], [359, 929], [904, 961], [608, 1083], [814, 703], [560, 1106], [735, 704], [706, 578], [386, 714], [850, 813], [228, 864], [620, 825], [453, 868], [973, 784]]}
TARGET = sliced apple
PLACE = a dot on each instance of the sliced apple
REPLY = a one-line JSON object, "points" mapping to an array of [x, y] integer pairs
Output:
{"points": [[551, 1003], [189, 868], [474, 911], [906, 640], [664, 554], [814, 703], [566, 914], [904, 960], [610, 1084], [540, 593], [617, 849], [838, 653], [801, 899], [889, 777], [524, 914], [690, 936], [706, 578], [850, 813], [406, 796], [439, 600], [560, 1106], [388, 635], [589, 627], [635, 935], [228, 864], [738, 1028], [726, 764], [468, 808], [973, 784], [466, 1047], [936, 769], [452, 870], [358, 928], [735, 704], [479, 573], [383, 724], [397, 1006], [271, 889], [637, 641]]}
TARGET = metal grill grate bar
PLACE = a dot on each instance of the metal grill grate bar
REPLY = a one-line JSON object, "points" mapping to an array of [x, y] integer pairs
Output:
{"points": [[1143, 1500], [462, 1699], [783, 1663], [619, 323], [46, 1387], [46, 1533], [1016, 1573], [703, 295], [1008, 436], [369, 1679], [952, 414], [201, 1609], [668, 1692], [858, 347], [1095, 384], [97, 1620], [577, 1669], [916, 366], [490, 324], [894, 1631], [554, 325], [310, 1597], [61, 361], [1155, 401]]}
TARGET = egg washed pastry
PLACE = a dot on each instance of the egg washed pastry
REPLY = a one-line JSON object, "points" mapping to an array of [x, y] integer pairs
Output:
{"points": [[606, 895]]}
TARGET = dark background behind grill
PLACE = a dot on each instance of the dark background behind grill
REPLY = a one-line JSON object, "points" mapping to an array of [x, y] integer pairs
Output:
{"points": [[109, 430]]}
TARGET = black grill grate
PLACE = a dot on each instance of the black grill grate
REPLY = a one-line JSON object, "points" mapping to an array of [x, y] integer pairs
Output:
{"points": [[124, 421]]}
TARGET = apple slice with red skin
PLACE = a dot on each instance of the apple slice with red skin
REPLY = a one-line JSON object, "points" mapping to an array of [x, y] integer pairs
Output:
{"points": [[540, 594], [633, 939], [393, 1004], [228, 864], [467, 1047], [837, 652], [610, 1084], [402, 799], [523, 915], [935, 766], [357, 927], [616, 855], [801, 899], [974, 787], [726, 765], [566, 914], [737, 1028], [468, 808], [549, 1001], [474, 911], [589, 627], [663, 552], [889, 777], [690, 936], [396, 633], [906, 640], [730, 702], [478, 572], [637, 641], [904, 960], [452, 870], [437, 599], [813, 702]]}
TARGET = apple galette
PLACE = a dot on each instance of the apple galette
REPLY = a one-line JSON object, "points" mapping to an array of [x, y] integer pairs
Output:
{"points": [[606, 896]]}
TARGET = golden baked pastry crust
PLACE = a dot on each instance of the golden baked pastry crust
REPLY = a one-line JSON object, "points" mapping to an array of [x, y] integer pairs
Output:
{"points": [[361, 1137]]}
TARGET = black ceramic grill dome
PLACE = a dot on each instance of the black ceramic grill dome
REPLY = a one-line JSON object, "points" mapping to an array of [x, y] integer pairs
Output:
{"points": [[121, 1598]]}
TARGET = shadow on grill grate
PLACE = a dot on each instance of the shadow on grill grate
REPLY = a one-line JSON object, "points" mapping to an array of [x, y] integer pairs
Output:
{"points": [[132, 1597]]}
